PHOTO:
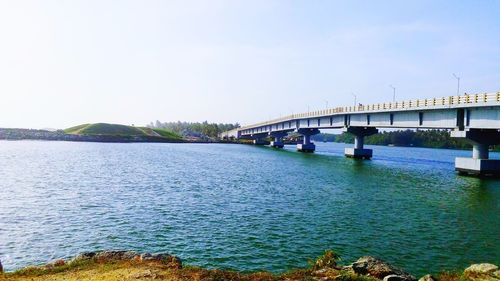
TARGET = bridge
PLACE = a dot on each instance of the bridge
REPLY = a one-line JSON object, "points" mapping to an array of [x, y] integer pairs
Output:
{"points": [[474, 117]]}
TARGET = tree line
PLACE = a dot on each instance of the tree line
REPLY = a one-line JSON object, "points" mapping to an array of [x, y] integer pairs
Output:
{"points": [[194, 129], [419, 138]]}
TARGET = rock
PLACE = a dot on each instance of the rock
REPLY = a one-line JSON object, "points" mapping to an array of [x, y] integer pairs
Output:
{"points": [[348, 268], [320, 271], [116, 255], [1, 267], [84, 256], [482, 271], [377, 268], [427, 277], [145, 274], [481, 268], [171, 261], [55, 263], [394, 277], [105, 256], [146, 257]]}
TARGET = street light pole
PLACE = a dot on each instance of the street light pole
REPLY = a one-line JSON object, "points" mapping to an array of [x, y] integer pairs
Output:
{"points": [[393, 93], [458, 83], [355, 98], [326, 104]]}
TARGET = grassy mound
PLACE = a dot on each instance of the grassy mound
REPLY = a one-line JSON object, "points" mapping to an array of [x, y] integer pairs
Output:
{"points": [[76, 129], [116, 130], [105, 129]]}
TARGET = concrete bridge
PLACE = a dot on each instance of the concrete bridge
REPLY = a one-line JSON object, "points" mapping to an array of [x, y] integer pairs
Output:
{"points": [[474, 117]]}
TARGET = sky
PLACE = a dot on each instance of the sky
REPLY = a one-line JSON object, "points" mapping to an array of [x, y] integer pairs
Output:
{"points": [[64, 63]]}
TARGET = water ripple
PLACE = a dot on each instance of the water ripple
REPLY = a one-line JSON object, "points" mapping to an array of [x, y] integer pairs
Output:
{"points": [[243, 207]]}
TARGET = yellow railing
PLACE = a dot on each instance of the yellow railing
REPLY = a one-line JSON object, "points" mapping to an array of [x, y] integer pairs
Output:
{"points": [[403, 105]]}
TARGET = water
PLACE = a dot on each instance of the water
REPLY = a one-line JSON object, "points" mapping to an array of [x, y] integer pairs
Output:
{"points": [[244, 207]]}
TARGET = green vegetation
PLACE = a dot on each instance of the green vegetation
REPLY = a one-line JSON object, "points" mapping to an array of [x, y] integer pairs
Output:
{"points": [[107, 269], [452, 276], [161, 133], [40, 271], [420, 138], [167, 134], [325, 137], [202, 130], [75, 129], [328, 259], [349, 276], [105, 129]]}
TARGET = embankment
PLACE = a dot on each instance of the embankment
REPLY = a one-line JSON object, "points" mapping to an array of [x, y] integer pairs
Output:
{"points": [[129, 265]]}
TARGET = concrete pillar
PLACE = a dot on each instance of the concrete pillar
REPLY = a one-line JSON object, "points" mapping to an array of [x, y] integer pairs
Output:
{"points": [[480, 151], [278, 142], [359, 151], [278, 139], [306, 139], [359, 142], [307, 145], [479, 164], [259, 139]]}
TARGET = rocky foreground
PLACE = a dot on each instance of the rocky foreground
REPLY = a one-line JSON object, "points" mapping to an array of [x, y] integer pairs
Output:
{"points": [[128, 265]]}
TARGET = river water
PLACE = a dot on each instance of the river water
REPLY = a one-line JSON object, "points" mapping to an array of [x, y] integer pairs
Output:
{"points": [[244, 207]]}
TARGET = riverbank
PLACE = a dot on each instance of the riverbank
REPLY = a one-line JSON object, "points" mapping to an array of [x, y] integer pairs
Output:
{"points": [[59, 135], [129, 265]]}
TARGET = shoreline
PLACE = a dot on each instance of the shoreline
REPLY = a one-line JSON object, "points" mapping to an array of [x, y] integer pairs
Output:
{"points": [[131, 265], [19, 134], [44, 135], [127, 139]]}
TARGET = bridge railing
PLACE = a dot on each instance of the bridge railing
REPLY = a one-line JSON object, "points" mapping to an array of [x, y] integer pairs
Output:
{"points": [[403, 105]]}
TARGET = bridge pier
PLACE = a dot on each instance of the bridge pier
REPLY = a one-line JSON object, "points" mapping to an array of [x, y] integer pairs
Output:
{"points": [[258, 139], [278, 139], [307, 145], [479, 164], [259, 142], [359, 133]]}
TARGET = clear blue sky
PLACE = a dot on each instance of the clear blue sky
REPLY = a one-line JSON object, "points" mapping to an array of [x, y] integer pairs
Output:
{"points": [[68, 62]]}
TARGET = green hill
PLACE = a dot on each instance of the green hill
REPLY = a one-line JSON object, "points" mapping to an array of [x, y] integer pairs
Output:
{"points": [[75, 129], [105, 129]]}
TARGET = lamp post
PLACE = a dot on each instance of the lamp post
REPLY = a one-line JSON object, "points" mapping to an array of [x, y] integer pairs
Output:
{"points": [[326, 104], [355, 99], [458, 83], [393, 93]]}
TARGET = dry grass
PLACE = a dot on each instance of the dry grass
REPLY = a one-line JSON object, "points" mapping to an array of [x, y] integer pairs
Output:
{"points": [[135, 270], [124, 270], [451, 276], [324, 268]]}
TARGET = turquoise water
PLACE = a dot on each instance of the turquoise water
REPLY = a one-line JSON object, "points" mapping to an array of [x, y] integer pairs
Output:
{"points": [[244, 207]]}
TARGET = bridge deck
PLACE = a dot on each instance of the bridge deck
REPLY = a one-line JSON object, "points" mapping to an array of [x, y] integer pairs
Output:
{"points": [[439, 113]]}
